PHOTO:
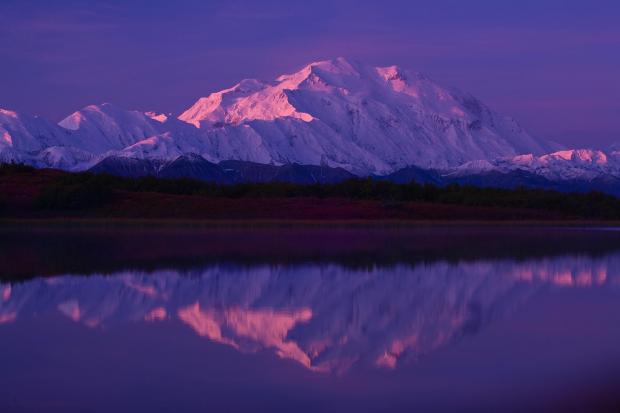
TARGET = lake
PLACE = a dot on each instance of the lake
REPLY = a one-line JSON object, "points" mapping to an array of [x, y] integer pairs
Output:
{"points": [[308, 319]]}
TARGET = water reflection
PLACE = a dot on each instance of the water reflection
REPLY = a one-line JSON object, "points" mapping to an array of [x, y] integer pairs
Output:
{"points": [[325, 317]]}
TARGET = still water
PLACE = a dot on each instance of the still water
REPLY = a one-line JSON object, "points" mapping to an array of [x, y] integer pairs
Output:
{"points": [[309, 319]]}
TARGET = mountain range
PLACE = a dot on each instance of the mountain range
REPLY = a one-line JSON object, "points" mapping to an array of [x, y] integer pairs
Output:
{"points": [[329, 121]]}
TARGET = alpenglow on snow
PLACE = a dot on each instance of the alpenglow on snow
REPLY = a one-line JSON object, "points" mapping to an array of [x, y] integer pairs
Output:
{"points": [[367, 120]]}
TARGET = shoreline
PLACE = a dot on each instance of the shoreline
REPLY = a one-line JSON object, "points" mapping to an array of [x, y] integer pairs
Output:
{"points": [[113, 222]]}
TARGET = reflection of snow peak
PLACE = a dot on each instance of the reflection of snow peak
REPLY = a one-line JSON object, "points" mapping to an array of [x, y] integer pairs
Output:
{"points": [[6, 293], [8, 317], [265, 327], [326, 318], [71, 309], [156, 314]]}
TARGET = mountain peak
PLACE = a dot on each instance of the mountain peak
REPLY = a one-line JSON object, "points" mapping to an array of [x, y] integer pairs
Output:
{"points": [[590, 156], [104, 127], [339, 65], [353, 115], [104, 107], [75, 120], [159, 117], [338, 113]]}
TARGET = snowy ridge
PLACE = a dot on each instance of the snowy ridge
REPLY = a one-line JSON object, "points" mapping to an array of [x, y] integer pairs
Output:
{"points": [[338, 113], [574, 164], [27, 134], [106, 127], [364, 119]]}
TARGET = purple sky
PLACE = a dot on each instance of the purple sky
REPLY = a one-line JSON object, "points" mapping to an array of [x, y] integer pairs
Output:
{"points": [[552, 64]]}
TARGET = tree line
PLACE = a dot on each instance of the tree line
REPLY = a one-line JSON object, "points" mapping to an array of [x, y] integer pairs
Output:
{"points": [[87, 190]]}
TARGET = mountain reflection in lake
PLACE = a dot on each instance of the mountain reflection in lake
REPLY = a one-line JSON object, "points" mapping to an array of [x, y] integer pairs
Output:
{"points": [[441, 329]]}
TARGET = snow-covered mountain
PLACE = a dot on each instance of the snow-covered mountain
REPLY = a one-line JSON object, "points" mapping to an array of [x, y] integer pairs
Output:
{"points": [[561, 165], [337, 113], [106, 127], [23, 136], [575, 169], [364, 119], [324, 317]]}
